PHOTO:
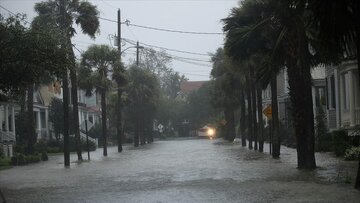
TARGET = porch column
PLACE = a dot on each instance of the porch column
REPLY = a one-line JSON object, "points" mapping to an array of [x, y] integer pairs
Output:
{"points": [[38, 118], [47, 122], [6, 118], [13, 120], [313, 94], [352, 98], [337, 99]]}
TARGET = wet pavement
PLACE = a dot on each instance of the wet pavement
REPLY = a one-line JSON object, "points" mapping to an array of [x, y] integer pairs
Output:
{"points": [[183, 170]]}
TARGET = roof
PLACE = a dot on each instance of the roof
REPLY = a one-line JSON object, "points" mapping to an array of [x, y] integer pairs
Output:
{"points": [[190, 86]]}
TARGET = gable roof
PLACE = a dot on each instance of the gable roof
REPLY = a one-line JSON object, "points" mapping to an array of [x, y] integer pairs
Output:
{"points": [[189, 86]]}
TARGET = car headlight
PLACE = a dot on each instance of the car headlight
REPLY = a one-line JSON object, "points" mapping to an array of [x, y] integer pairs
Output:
{"points": [[211, 132]]}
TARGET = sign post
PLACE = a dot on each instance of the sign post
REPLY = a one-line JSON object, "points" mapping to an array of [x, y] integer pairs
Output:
{"points": [[268, 113]]}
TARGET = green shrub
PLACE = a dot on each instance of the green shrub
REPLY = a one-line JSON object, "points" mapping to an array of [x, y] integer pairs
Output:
{"points": [[352, 154], [340, 142], [32, 159], [40, 146], [19, 148], [44, 156], [322, 138], [324, 143], [5, 161], [1, 152], [21, 159], [53, 150], [13, 160], [92, 145]]}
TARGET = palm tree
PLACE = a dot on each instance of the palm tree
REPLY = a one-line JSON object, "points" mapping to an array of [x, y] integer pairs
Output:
{"points": [[284, 20], [143, 95], [84, 14], [121, 80], [96, 63], [225, 94], [338, 26]]}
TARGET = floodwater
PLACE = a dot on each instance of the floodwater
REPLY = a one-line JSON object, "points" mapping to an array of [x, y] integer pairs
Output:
{"points": [[182, 170]]}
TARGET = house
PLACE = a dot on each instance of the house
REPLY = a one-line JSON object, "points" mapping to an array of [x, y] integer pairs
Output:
{"points": [[284, 103], [7, 127], [343, 95], [88, 110], [186, 87]]}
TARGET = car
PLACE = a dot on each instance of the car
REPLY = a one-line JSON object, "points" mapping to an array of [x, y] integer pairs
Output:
{"points": [[208, 131]]}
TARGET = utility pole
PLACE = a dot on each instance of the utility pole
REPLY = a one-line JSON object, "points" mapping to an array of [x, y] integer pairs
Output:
{"points": [[119, 33], [119, 92], [65, 89], [137, 54]]}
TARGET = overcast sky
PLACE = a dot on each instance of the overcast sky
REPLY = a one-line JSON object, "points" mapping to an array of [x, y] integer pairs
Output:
{"points": [[182, 15]]}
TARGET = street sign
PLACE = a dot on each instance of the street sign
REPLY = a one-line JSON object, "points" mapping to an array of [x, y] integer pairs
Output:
{"points": [[268, 112]]}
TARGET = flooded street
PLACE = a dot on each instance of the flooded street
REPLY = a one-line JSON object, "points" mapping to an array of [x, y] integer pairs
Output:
{"points": [[188, 170]]}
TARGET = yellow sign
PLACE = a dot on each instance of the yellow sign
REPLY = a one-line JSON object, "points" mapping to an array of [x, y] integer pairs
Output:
{"points": [[268, 112]]}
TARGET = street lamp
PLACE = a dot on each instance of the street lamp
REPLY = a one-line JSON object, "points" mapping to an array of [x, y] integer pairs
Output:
{"points": [[138, 47]]}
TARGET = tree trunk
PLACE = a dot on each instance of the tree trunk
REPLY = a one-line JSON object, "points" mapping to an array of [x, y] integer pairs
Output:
{"points": [[74, 97], [136, 135], [357, 182], [227, 128], [103, 119], [302, 106], [274, 119], [118, 120], [242, 118], [253, 100], [260, 116], [66, 119], [142, 132], [31, 138], [250, 119], [231, 121], [22, 117]]}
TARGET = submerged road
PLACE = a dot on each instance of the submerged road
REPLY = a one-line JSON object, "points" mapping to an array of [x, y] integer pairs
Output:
{"points": [[190, 170]]}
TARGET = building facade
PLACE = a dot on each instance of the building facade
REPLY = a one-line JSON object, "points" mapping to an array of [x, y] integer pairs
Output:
{"points": [[343, 96]]}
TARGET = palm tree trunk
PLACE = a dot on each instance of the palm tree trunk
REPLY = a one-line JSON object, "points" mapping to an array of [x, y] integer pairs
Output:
{"points": [[357, 182], [260, 116], [250, 119], [103, 118], [22, 117], [118, 120], [302, 106], [142, 132], [253, 100], [136, 136], [231, 121], [75, 103], [31, 139], [66, 119], [242, 118], [275, 118], [227, 128]]}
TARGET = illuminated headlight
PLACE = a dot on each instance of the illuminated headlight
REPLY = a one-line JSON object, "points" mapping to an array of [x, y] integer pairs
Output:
{"points": [[211, 132]]}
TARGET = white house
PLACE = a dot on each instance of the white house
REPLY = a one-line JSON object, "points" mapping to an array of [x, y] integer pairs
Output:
{"points": [[7, 127], [343, 95]]}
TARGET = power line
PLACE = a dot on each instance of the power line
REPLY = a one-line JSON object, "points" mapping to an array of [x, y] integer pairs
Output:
{"points": [[180, 51], [175, 31], [12, 13], [169, 49]]}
